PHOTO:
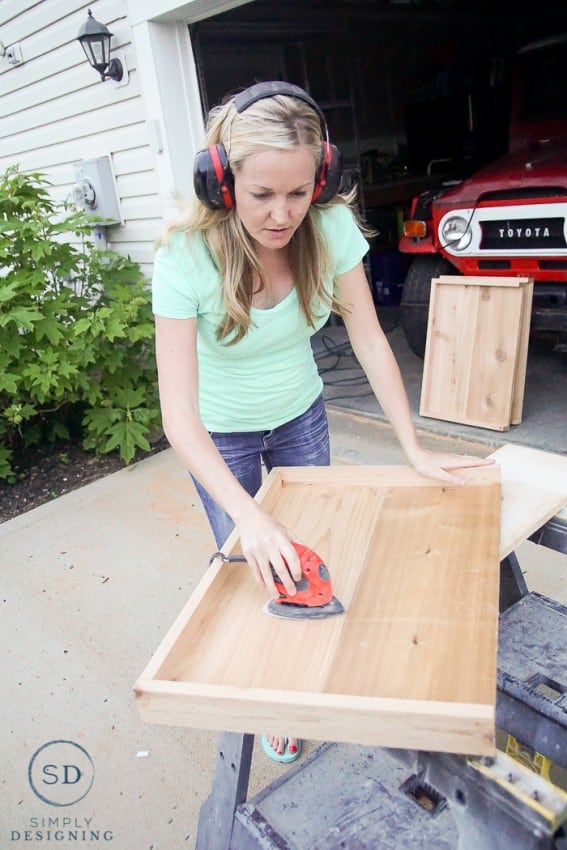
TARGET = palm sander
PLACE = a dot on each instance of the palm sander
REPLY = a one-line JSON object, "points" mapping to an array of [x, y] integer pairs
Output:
{"points": [[313, 599]]}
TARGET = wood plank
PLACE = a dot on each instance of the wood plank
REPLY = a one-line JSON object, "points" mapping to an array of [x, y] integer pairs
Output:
{"points": [[447, 727], [527, 286], [522, 359], [534, 489], [370, 476], [411, 663], [447, 603], [481, 280], [472, 369]]}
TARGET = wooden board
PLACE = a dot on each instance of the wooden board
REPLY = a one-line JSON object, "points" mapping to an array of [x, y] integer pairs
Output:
{"points": [[412, 662], [476, 350], [534, 489], [527, 288]]}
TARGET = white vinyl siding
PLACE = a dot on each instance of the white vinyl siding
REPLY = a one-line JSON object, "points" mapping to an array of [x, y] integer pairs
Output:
{"points": [[55, 110]]}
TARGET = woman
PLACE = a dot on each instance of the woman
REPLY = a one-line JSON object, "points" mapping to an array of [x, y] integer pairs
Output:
{"points": [[241, 282]]}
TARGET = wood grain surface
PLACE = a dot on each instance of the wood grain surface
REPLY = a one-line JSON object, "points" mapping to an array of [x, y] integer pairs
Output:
{"points": [[412, 662], [534, 489], [476, 350]]}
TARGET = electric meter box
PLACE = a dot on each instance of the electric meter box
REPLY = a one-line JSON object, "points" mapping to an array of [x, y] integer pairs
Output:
{"points": [[98, 187]]}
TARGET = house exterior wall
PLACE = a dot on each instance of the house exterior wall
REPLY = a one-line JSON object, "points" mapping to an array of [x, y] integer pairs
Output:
{"points": [[55, 111]]}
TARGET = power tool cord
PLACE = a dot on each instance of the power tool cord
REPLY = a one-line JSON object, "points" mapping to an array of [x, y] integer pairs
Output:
{"points": [[343, 360]]}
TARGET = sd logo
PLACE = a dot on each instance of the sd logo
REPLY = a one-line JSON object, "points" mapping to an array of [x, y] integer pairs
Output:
{"points": [[61, 773]]}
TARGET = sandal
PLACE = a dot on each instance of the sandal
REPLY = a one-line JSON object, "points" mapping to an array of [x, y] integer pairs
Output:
{"points": [[286, 757]]}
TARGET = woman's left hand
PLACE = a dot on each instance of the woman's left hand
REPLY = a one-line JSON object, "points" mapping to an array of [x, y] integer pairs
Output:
{"points": [[437, 464]]}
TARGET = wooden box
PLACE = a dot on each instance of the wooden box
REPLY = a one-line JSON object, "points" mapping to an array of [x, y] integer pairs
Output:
{"points": [[476, 351], [412, 662]]}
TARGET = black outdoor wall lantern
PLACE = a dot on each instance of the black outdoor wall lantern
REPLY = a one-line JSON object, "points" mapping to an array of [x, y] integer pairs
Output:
{"points": [[95, 41]]}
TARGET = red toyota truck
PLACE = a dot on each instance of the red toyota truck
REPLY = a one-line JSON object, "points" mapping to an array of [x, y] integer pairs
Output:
{"points": [[510, 217]]}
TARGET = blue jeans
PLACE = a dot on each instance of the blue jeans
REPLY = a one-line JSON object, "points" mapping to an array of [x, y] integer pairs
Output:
{"points": [[302, 442]]}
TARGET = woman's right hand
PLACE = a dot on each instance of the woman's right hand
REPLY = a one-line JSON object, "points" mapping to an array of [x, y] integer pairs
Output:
{"points": [[266, 543]]}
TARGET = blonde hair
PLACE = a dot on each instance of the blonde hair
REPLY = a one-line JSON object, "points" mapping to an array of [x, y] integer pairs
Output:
{"points": [[276, 123]]}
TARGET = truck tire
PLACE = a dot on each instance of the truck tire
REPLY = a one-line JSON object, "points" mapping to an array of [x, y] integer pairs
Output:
{"points": [[415, 298]]}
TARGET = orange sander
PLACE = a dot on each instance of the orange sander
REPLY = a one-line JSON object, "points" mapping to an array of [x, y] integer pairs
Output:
{"points": [[313, 599]]}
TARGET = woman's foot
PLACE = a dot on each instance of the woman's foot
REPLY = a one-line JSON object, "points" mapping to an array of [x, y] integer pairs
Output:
{"points": [[280, 749]]}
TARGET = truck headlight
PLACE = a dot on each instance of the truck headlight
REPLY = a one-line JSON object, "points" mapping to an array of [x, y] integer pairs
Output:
{"points": [[456, 233]]}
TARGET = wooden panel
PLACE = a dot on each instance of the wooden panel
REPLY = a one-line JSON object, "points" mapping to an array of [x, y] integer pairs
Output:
{"points": [[534, 489], [412, 662], [476, 350], [522, 356]]}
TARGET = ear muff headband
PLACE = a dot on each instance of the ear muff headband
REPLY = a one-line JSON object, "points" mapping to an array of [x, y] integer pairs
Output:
{"points": [[213, 179], [260, 91]]}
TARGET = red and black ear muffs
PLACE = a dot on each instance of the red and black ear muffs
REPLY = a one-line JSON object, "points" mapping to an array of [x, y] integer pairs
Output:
{"points": [[213, 180]]}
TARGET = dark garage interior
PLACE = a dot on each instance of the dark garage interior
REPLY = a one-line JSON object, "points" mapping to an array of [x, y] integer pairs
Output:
{"points": [[413, 92]]}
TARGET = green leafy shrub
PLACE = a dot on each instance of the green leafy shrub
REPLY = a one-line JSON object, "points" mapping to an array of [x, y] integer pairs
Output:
{"points": [[76, 332]]}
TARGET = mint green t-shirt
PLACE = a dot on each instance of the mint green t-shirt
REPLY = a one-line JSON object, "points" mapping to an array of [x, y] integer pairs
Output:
{"points": [[270, 376]]}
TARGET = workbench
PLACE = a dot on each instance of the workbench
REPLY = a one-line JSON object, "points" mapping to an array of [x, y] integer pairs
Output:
{"points": [[361, 797]]}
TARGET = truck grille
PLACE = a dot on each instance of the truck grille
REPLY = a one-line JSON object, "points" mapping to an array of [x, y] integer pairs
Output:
{"points": [[506, 231], [523, 234]]}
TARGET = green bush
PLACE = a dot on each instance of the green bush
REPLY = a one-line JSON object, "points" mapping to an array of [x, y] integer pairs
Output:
{"points": [[76, 332]]}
